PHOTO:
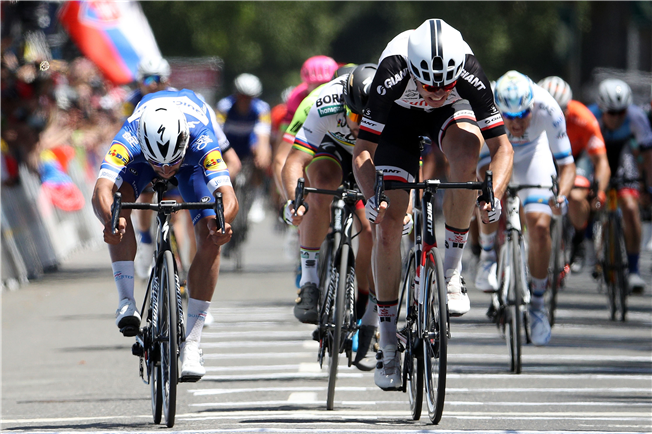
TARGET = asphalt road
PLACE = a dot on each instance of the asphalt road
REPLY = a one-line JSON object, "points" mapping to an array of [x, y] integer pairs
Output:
{"points": [[66, 368]]}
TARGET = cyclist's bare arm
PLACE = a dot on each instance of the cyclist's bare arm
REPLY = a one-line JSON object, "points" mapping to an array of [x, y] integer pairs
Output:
{"points": [[293, 169], [602, 170], [502, 161], [364, 170], [102, 201], [231, 208], [232, 162]]}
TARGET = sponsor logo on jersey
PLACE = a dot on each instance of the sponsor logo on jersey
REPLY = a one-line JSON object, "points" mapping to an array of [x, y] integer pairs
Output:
{"points": [[214, 162], [473, 80], [130, 138], [381, 90], [205, 199], [394, 80], [330, 110], [329, 99], [117, 155], [202, 141], [133, 171]]}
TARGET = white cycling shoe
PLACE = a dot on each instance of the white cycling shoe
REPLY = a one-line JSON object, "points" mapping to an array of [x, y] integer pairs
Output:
{"points": [[486, 279], [636, 283], [458, 299], [127, 317], [388, 375], [540, 332], [192, 362]]}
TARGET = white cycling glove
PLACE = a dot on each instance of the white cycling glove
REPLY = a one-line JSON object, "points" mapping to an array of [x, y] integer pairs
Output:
{"points": [[494, 214], [371, 208], [287, 212], [408, 225], [563, 205]]}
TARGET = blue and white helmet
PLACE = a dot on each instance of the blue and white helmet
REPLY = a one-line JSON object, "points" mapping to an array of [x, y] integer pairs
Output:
{"points": [[513, 93], [163, 132]]}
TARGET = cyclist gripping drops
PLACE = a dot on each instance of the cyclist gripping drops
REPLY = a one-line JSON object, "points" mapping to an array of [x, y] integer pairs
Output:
{"points": [[428, 82], [169, 135]]}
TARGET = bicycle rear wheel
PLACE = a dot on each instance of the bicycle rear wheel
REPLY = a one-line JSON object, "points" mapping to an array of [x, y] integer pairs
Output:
{"points": [[435, 339], [335, 331], [514, 306], [156, 391], [167, 336], [413, 355], [620, 263]]}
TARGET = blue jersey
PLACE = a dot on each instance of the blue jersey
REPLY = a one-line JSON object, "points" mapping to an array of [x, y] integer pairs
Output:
{"points": [[242, 129], [125, 158]]}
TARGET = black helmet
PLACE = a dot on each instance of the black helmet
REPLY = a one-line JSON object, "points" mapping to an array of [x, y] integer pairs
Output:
{"points": [[356, 90], [346, 69]]}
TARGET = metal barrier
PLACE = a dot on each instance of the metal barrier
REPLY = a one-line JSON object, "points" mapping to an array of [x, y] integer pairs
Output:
{"points": [[36, 236]]}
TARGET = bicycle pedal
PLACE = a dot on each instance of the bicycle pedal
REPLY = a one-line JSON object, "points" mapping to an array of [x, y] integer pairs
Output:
{"points": [[129, 331], [137, 350], [190, 379]]}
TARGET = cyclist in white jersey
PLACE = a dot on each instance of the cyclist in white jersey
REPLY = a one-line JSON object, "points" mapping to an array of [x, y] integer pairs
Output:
{"points": [[537, 130], [323, 147]]}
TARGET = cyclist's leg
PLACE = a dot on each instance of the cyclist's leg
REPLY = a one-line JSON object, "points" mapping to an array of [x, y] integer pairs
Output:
{"points": [[461, 140], [143, 260], [323, 172], [123, 254]]}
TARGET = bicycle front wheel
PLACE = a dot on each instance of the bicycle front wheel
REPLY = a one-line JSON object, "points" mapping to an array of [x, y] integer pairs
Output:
{"points": [[335, 341], [554, 269], [621, 270], [514, 306], [413, 359], [168, 337], [435, 335]]}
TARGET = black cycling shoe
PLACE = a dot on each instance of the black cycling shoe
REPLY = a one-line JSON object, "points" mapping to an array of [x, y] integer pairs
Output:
{"points": [[305, 309], [366, 334]]}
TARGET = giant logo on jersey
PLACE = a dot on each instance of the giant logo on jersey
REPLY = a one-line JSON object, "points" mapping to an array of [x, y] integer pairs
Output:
{"points": [[214, 162], [117, 155]]}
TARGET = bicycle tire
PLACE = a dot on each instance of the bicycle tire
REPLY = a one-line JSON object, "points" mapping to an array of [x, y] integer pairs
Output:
{"points": [[609, 266], [554, 270], [435, 342], [167, 335], [413, 360], [157, 392], [514, 304], [326, 304], [621, 271], [336, 330]]}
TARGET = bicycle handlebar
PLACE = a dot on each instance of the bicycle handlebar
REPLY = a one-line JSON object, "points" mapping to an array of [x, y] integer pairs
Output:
{"points": [[348, 195], [167, 207]]}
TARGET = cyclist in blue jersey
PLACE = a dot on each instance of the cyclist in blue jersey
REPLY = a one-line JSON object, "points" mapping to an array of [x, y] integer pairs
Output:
{"points": [[170, 134], [622, 123]]}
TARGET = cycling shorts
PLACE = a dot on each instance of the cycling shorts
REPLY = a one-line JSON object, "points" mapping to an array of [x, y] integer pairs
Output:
{"points": [[398, 150], [192, 185], [333, 151]]}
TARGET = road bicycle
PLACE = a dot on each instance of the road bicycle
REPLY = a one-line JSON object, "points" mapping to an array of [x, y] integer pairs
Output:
{"points": [[611, 254], [423, 337], [162, 330], [337, 317]]}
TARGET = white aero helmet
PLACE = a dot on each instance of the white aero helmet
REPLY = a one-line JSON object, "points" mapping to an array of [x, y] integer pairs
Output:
{"points": [[513, 94], [248, 85], [163, 132], [614, 95], [149, 66], [559, 89], [436, 53]]}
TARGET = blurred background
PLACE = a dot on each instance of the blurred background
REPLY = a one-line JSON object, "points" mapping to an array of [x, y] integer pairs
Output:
{"points": [[68, 68]]}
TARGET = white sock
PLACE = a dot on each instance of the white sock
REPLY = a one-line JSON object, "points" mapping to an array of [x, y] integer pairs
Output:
{"points": [[370, 316], [487, 242], [309, 261], [123, 274], [196, 316], [539, 286], [387, 317], [455, 239]]}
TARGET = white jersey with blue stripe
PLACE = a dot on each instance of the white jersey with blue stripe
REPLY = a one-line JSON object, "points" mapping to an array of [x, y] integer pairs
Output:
{"points": [[204, 148]]}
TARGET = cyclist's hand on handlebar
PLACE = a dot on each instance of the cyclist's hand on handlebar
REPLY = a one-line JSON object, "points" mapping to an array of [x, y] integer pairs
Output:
{"points": [[375, 212], [489, 215], [599, 201], [560, 207], [216, 235], [111, 237], [408, 224], [289, 216]]}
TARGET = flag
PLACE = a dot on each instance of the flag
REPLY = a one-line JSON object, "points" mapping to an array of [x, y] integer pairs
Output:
{"points": [[114, 35]]}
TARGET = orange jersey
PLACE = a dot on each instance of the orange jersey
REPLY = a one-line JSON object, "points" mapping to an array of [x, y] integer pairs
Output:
{"points": [[583, 130]]}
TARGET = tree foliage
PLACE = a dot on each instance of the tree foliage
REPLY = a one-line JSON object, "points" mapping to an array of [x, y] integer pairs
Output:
{"points": [[272, 39]]}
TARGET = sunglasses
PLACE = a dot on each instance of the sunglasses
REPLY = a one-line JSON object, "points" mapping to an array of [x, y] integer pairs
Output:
{"points": [[150, 79], [430, 88], [617, 112], [521, 115], [353, 116], [172, 164]]}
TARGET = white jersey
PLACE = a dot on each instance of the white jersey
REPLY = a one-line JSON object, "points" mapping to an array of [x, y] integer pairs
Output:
{"points": [[326, 118], [544, 139]]}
